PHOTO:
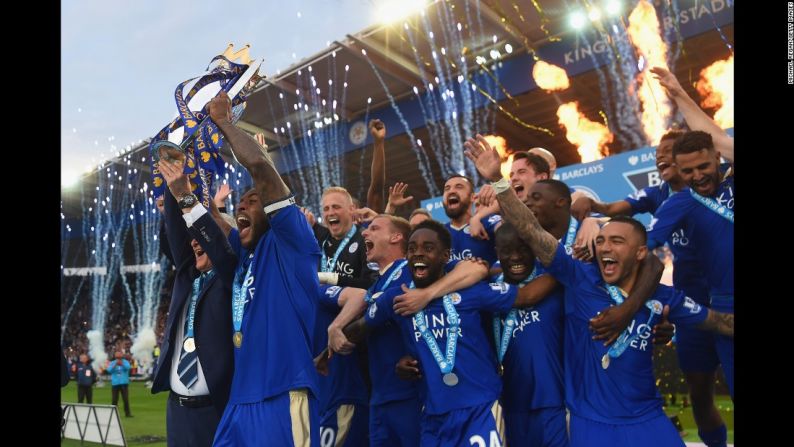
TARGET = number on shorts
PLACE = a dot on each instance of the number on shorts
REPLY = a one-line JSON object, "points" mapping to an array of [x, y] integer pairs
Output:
{"points": [[327, 436], [478, 440]]}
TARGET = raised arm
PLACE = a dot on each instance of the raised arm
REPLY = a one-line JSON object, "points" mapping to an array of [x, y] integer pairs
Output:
{"points": [[378, 172], [176, 231], [476, 227], [268, 183], [216, 215], [219, 199], [695, 117], [487, 161], [201, 225], [397, 197]]}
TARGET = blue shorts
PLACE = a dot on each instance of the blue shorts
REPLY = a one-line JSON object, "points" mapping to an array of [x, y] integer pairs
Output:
{"points": [[696, 349], [724, 304], [344, 425], [544, 427], [473, 426], [395, 423], [289, 419], [656, 432]]}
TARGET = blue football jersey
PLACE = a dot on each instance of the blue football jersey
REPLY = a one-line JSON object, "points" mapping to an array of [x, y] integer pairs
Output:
{"points": [[280, 311], [625, 392], [688, 276], [465, 246], [386, 345], [711, 234], [475, 360], [533, 374]]}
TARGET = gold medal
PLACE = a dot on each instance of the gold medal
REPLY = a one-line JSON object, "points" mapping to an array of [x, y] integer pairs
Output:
{"points": [[238, 339], [605, 361], [189, 344]]}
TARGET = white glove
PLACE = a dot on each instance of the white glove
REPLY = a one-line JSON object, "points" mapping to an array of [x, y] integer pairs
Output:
{"points": [[328, 278]]}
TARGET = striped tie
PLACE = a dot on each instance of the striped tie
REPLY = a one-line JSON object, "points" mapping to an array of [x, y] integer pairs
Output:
{"points": [[188, 361]]}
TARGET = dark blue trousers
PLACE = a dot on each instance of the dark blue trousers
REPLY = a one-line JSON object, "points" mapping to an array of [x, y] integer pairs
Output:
{"points": [[190, 427]]}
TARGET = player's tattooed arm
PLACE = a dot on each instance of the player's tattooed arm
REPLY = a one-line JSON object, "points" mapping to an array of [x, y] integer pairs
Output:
{"points": [[514, 211], [267, 181], [488, 161], [719, 322]]}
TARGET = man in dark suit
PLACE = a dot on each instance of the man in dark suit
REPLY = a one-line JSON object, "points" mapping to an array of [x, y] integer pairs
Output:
{"points": [[197, 360]]}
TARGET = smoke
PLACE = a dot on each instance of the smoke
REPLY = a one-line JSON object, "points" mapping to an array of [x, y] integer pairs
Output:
{"points": [[143, 346], [96, 349]]}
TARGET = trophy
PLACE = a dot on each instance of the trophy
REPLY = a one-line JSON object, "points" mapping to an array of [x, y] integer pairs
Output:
{"points": [[192, 138]]}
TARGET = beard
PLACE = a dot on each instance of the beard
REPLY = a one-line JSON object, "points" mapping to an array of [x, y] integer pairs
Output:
{"points": [[461, 210]]}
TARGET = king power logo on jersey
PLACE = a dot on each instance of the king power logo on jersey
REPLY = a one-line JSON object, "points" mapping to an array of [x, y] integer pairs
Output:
{"points": [[438, 324], [465, 254], [644, 332], [344, 268]]}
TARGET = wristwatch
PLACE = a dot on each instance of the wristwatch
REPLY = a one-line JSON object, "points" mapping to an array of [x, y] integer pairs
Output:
{"points": [[188, 201]]}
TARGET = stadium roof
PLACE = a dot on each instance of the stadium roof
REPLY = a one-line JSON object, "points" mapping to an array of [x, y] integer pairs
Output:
{"points": [[390, 50]]}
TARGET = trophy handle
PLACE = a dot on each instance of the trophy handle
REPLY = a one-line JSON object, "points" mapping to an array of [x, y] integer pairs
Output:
{"points": [[252, 70]]}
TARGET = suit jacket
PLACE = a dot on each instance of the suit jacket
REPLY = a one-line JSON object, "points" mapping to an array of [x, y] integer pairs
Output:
{"points": [[213, 319], [64, 369]]}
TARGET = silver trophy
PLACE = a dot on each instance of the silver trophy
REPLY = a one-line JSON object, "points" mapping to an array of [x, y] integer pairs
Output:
{"points": [[173, 152]]}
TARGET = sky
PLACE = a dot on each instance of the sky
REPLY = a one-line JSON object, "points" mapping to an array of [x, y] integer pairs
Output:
{"points": [[121, 61]]}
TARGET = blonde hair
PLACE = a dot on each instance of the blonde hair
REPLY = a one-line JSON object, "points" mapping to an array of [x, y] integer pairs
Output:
{"points": [[401, 226], [340, 190]]}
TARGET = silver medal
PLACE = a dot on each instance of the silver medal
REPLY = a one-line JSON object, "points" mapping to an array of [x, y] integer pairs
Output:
{"points": [[450, 379]]}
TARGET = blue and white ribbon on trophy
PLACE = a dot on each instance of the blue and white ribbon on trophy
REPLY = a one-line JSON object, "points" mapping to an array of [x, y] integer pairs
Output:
{"points": [[195, 133]]}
